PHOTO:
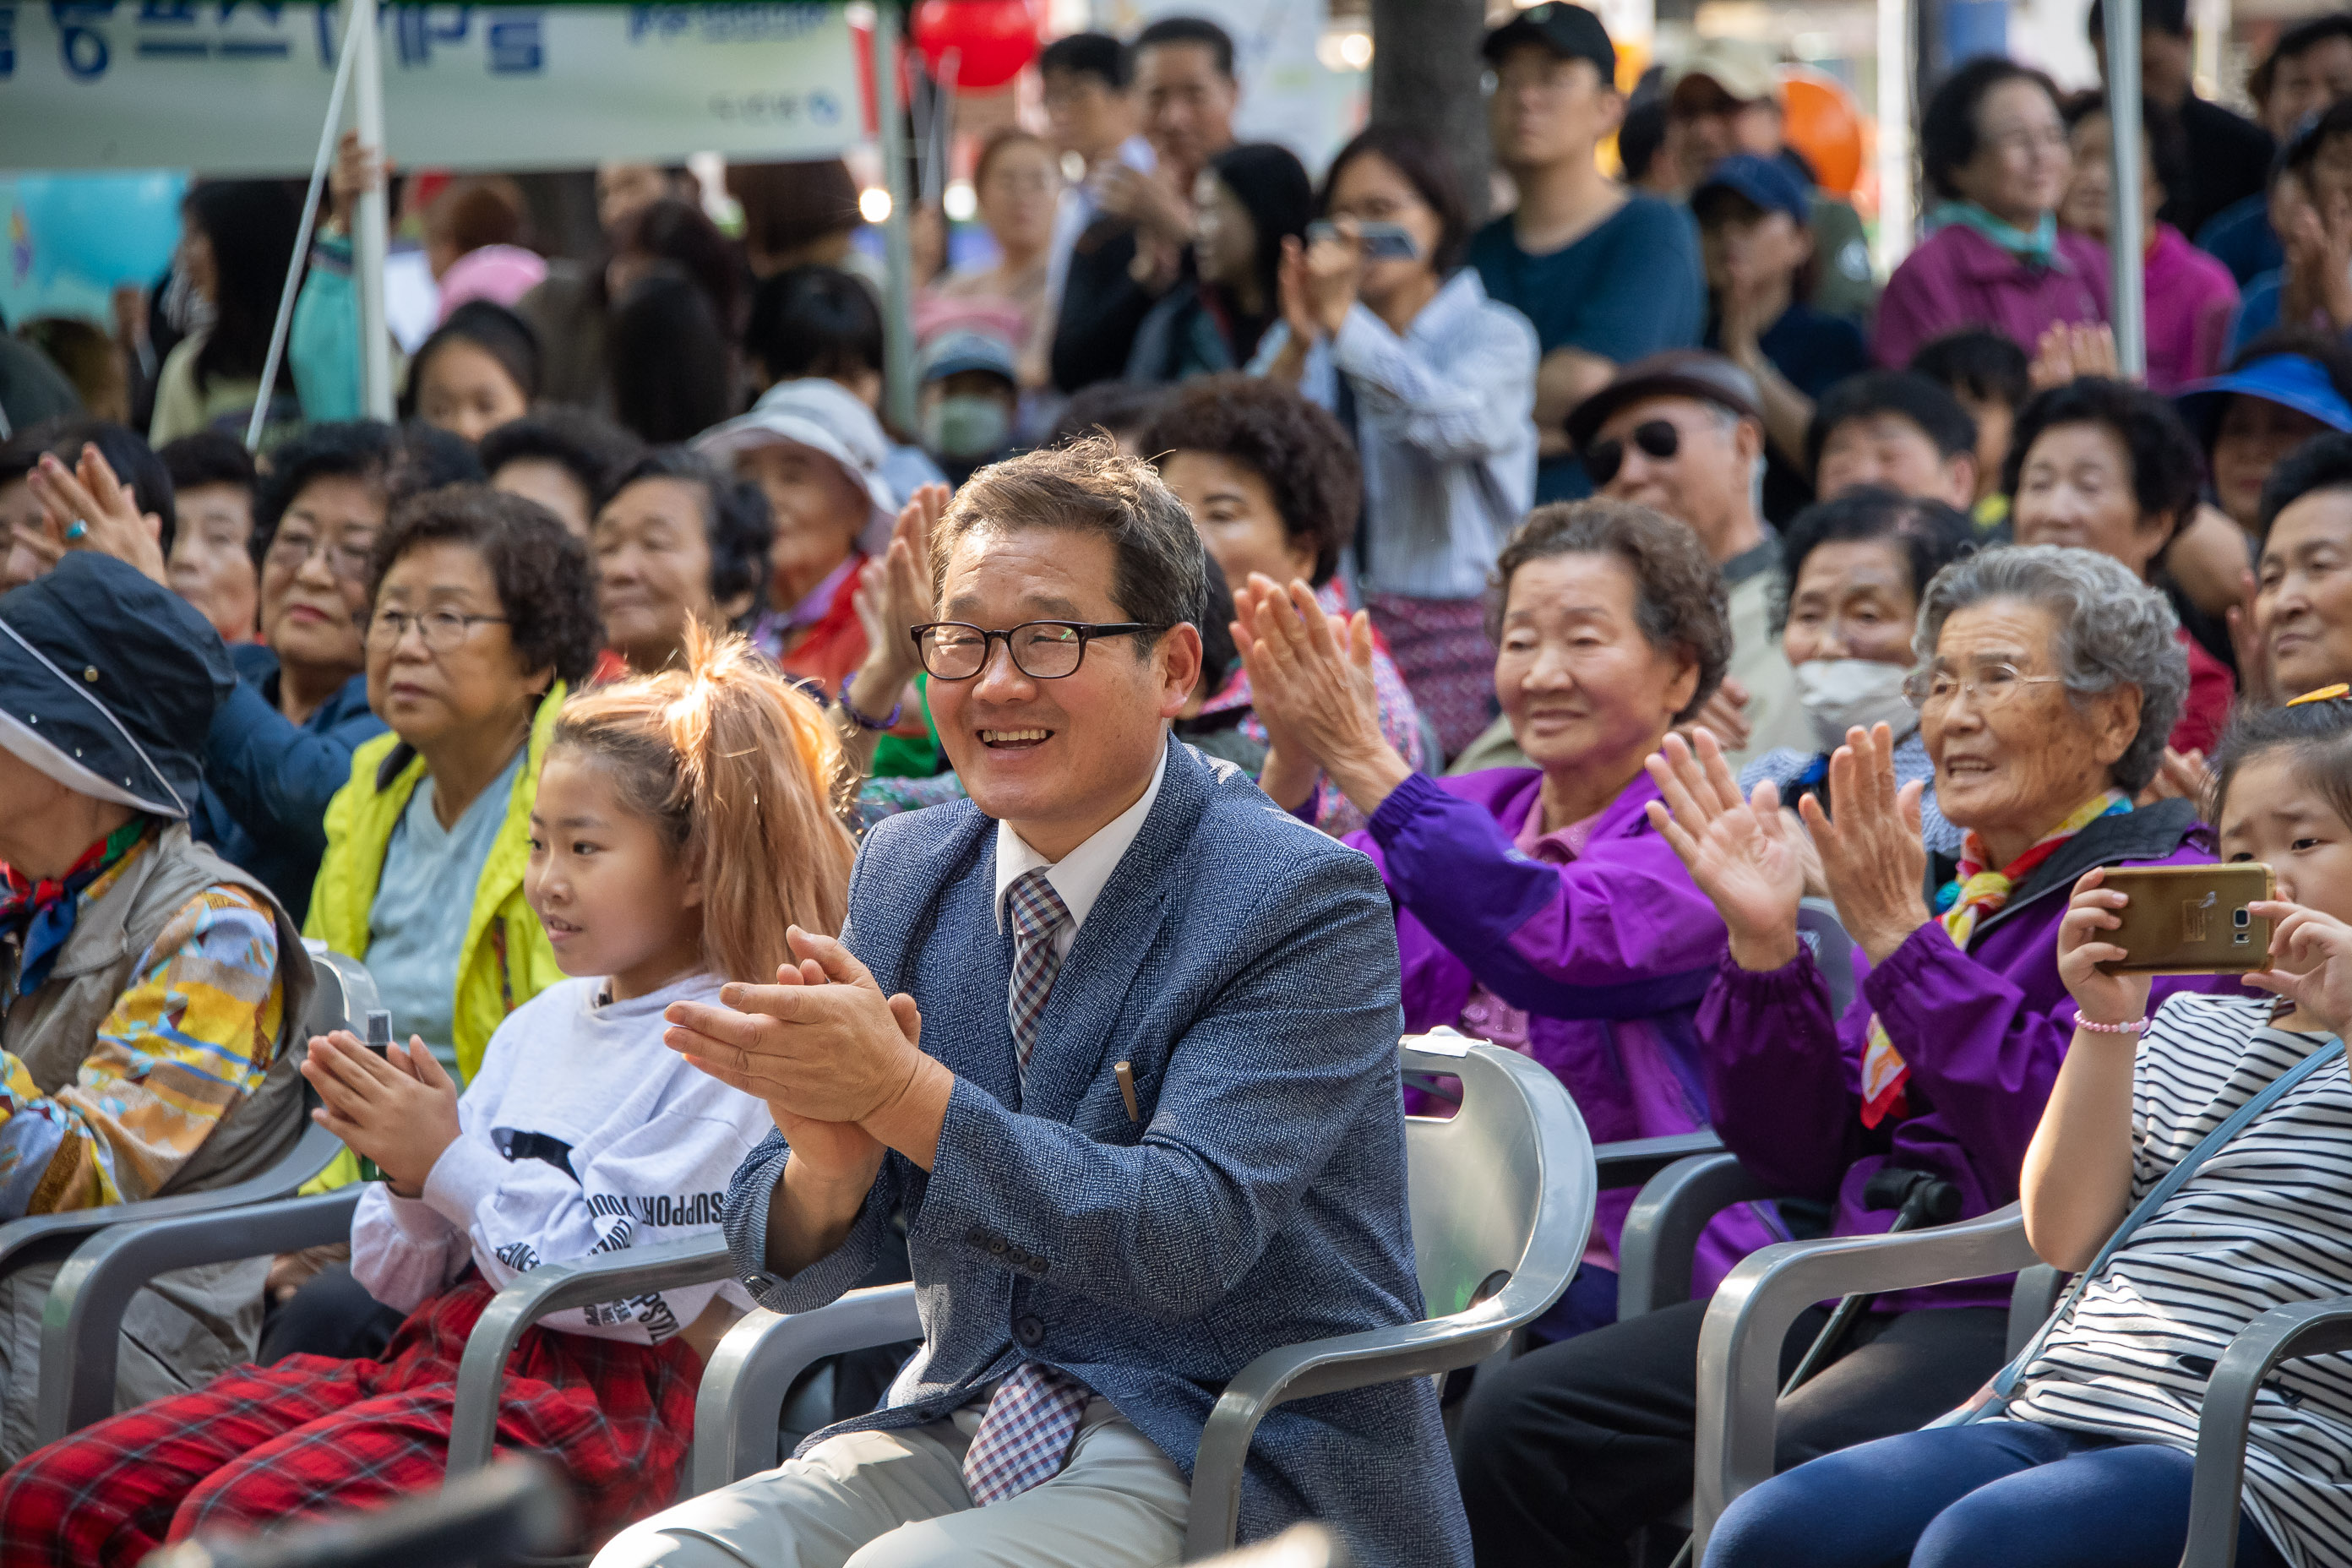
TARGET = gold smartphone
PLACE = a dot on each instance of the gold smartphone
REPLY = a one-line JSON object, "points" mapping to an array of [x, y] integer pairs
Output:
{"points": [[2191, 919]]}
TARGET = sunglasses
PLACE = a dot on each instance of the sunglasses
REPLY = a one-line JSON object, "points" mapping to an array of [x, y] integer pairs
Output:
{"points": [[1656, 438]]}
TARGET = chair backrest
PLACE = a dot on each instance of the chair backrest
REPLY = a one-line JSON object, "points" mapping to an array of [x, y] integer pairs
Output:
{"points": [[1818, 928], [1502, 1191]]}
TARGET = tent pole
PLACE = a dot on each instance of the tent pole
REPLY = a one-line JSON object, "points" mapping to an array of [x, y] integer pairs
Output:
{"points": [[295, 269], [1896, 66], [370, 220], [898, 294], [2125, 218]]}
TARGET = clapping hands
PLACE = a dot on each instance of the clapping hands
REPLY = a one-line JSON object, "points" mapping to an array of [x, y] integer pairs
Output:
{"points": [[399, 1110], [1747, 855]]}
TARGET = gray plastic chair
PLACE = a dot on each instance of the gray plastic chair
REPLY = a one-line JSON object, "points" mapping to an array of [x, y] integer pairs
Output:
{"points": [[1739, 1347], [2283, 1333], [1502, 1196], [80, 1329], [1833, 949], [344, 992]]}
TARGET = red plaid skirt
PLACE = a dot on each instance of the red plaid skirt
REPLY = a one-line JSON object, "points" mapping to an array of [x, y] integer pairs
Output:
{"points": [[259, 1448]]}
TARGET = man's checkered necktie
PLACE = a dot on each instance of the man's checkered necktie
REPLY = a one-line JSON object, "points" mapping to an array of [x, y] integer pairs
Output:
{"points": [[1025, 1438], [1037, 913]]}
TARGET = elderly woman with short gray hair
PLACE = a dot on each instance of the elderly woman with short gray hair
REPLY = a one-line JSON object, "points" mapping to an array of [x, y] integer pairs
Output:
{"points": [[2048, 681]]}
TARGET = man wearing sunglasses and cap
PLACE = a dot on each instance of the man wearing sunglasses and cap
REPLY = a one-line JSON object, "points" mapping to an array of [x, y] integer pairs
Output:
{"points": [[1683, 433], [149, 991]]}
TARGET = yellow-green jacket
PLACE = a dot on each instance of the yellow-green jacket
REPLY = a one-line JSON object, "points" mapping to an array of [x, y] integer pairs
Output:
{"points": [[506, 960]]}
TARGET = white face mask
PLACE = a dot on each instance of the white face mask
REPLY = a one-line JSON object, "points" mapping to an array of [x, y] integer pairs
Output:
{"points": [[1840, 693], [966, 429]]}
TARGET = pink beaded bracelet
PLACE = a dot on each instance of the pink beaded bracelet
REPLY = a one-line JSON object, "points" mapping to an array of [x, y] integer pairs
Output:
{"points": [[2133, 1027]]}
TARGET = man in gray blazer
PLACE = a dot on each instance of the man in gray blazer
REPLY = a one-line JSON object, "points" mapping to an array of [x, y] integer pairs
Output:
{"points": [[1118, 1039]]}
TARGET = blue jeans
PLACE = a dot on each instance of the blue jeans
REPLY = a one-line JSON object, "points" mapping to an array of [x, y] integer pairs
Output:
{"points": [[2015, 1493]]}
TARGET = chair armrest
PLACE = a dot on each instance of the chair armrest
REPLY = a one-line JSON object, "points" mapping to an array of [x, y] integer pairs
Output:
{"points": [[1739, 1345], [1662, 1230], [1634, 1161], [749, 1376], [81, 1322], [52, 1237], [1320, 1366], [2283, 1333], [556, 1287]]}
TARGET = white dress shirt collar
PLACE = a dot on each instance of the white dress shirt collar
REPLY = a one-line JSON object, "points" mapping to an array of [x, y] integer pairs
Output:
{"points": [[1080, 876]]}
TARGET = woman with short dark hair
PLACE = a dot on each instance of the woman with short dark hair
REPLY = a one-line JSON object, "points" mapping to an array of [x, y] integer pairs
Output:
{"points": [[281, 744], [1852, 571], [1535, 906], [1250, 198], [1272, 485], [1996, 156], [2108, 467], [479, 370], [679, 542], [1435, 383]]}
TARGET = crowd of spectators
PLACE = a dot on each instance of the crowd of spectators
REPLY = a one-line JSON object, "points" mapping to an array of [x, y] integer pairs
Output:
{"points": [[1590, 597]]}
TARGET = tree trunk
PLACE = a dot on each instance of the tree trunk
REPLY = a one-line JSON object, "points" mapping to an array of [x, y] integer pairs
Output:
{"points": [[1425, 76]]}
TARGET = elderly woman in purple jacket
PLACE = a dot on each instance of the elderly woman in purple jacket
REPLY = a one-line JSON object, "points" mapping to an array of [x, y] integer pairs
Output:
{"points": [[2048, 678], [1537, 907]]}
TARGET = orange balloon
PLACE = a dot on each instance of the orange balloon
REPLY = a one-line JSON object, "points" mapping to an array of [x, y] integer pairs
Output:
{"points": [[1821, 122]]}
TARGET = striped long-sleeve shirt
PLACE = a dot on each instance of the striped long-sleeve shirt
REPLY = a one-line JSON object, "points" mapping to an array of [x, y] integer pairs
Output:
{"points": [[2265, 1222], [192, 1035]]}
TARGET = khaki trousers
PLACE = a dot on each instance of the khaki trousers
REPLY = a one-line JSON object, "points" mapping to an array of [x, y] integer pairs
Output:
{"points": [[897, 1499]]}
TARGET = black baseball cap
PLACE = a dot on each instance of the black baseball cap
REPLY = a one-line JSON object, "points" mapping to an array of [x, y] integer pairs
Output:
{"points": [[1571, 32]]}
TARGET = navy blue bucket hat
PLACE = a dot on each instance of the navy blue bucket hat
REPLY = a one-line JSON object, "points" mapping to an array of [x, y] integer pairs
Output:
{"points": [[109, 681]]}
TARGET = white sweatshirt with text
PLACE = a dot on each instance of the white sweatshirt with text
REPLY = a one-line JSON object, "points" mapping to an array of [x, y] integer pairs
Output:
{"points": [[583, 1134]]}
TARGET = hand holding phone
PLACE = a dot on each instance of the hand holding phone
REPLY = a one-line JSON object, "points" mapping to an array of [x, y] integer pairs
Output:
{"points": [[2311, 963], [2191, 920], [1373, 241]]}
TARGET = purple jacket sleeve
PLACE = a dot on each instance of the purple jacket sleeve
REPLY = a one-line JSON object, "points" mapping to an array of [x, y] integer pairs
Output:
{"points": [[1554, 939], [1980, 1054], [1782, 1097], [1908, 313]]}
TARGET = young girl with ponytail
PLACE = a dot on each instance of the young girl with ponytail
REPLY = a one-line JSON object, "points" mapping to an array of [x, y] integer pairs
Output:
{"points": [[683, 821]]}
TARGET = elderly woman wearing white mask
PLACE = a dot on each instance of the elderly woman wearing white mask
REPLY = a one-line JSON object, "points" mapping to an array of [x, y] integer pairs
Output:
{"points": [[1851, 573]]}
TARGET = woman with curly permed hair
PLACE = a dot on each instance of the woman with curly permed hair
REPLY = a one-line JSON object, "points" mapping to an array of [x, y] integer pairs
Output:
{"points": [[1271, 482], [1537, 907]]}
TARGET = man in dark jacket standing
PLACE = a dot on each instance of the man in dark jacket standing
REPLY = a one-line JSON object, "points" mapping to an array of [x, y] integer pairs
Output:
{"points": [[2228, 155]]}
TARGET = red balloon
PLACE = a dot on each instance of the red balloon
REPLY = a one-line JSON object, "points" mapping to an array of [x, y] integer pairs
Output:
{"points": [[993, 39]]}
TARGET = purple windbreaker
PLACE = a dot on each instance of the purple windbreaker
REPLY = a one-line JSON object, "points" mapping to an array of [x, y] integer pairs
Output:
{"points": [[1609, 954], [1983, 1034]]}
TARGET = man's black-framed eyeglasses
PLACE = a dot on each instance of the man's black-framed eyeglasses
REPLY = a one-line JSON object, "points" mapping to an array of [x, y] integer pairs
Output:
{"points": [[1042, 650]]}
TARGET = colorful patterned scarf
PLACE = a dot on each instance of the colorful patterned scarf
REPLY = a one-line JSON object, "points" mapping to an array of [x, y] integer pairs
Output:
{"points": [[1973, 892], [39, 913]]}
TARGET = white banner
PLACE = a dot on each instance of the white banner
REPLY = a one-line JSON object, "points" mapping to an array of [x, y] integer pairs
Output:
{"points": [[238, 87]]}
